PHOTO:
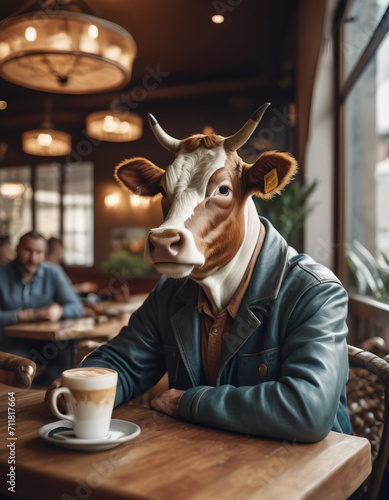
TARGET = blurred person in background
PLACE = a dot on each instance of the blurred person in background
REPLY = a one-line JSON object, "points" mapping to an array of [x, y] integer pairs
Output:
{"points": [[54, 251], [33, 290], [6, 251]]}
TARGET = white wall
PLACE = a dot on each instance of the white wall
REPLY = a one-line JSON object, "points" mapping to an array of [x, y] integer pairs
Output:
{"points": [[319, 159]]}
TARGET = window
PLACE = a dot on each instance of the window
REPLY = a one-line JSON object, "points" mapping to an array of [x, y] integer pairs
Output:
{"points": [[363, 111], [15, 201], [47, 199], [78, 214], [54, 199], [360, 22]]}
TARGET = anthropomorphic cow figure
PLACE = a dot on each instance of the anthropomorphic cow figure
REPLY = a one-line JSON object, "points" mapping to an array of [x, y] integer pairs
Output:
{"points": [[251, 333]]}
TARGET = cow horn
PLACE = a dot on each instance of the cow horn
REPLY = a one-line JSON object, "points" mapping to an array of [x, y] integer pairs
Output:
{"points": [[237, 140], [170, 143]]}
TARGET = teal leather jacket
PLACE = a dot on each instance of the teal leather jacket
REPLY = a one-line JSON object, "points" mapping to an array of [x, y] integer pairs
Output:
{"points": [[284, 366]]}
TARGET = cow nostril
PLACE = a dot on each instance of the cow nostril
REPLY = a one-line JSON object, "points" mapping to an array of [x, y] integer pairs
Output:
{"points": [[176, 245], [165, 245]]}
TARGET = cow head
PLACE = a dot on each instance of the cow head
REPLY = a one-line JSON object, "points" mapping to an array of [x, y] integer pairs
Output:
{"points": [[205, 196]]}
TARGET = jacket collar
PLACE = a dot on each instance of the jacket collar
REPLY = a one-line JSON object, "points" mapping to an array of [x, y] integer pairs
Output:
{"points": [[270, 267]]}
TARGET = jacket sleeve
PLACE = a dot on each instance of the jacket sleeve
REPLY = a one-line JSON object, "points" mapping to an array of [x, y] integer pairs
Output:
{"points": [[66, 296], [136, 353], [301, 405]]}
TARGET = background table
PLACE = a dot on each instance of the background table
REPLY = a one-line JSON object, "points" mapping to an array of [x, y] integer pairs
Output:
{"points": [[105, 325], [175, 460], [64, 335], [67, 329]]}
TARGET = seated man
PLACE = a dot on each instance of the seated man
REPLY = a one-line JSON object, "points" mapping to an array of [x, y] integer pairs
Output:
{"points": [[251, 333], [6, 252], [33, 290]]}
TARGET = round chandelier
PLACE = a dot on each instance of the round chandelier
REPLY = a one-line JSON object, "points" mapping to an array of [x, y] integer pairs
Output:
{"points": [[55, 48], [114, 126], [46, 142]]}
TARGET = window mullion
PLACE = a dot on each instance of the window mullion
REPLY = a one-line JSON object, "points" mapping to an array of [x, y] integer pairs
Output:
{"points": [[371, 48]]}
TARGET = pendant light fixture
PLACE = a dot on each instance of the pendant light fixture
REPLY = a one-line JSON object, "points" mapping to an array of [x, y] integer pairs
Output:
{"points": [[114, 126], [46, 141], [60, 46]]}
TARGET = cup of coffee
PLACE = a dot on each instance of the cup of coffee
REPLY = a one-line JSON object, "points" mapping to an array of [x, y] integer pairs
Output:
{"points": [[90, 395]]}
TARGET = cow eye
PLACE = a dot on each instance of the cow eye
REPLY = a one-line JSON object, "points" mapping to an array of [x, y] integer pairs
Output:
{"points": [[224, 190]]}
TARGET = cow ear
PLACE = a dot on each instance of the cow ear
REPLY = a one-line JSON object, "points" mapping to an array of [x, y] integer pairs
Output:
{"points": [[269, 174], [139, 176]]}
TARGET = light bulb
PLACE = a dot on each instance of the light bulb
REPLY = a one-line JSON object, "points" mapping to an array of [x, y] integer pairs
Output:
{"points": [[30, 34], [44, 139], [93, 31], [218, 19], [112, 200]]}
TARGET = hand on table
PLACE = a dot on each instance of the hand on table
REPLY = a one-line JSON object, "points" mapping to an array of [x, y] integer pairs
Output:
{"points": [[167, 402], [52, 312]]}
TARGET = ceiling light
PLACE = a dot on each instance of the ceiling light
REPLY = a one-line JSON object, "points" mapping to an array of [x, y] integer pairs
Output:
{"points": [[112, 200], [55, 48], [114, 126], [42, 142], [139, 201], [218, 19], [46, 141]]}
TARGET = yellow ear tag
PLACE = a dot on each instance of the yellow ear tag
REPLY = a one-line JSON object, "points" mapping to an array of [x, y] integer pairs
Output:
{"points": [[270, 180]]}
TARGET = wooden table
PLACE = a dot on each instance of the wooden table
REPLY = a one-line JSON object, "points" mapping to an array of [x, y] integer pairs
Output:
{"points": [[64, 335], [106, 325], [175, 460], [66, 329]]}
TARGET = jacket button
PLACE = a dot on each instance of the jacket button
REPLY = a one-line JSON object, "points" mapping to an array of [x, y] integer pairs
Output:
{"points": [[262, 370]]}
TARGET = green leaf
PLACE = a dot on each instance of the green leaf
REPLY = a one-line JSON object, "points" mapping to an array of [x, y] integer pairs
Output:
{"points": [[288, 211]]}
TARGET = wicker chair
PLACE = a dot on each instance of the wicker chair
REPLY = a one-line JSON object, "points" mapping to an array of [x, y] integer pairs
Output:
{"points": [[368, 405], [16, 370]]}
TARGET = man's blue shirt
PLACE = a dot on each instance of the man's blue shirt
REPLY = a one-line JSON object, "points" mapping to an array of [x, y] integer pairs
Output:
{"points": [[49, 284]]}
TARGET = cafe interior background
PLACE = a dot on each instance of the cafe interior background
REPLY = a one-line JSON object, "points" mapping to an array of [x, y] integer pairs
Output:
{"points": [[73, 104]]}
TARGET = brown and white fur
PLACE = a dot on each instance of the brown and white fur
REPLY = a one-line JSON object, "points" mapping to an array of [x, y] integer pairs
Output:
{"points": [[211, 225]]}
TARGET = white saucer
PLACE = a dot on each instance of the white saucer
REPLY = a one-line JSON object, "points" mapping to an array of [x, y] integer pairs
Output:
{"points": [[61, 433]]}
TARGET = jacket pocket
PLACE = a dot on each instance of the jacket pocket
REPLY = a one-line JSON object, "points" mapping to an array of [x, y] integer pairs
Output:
{"points": [[177, 374], [259, 367]]}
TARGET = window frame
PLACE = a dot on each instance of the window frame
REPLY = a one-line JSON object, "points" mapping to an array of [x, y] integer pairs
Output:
{"points": [[62, 167], [343, 88]]}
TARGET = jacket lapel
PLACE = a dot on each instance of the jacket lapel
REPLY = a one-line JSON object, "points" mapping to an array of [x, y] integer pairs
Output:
{"points": [[263, 289], [186, 329]]}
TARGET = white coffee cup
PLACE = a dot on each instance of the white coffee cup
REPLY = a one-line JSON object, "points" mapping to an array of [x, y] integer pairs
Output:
{"points": [[90, 395]]}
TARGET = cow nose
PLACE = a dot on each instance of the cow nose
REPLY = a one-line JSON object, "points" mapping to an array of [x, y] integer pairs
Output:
{"points": [[166, 246]]}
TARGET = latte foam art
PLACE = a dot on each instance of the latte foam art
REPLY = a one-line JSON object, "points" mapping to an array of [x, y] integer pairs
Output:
{"points": [[88, 372]]}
